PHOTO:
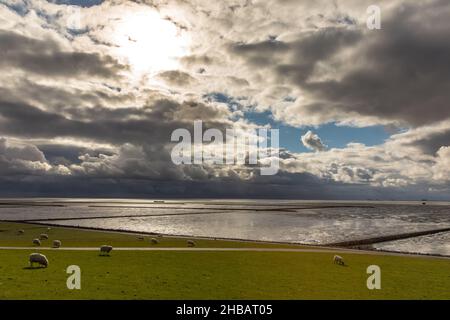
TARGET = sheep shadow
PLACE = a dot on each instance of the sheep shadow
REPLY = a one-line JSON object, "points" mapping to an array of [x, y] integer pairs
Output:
{"points": [[33, 268], [104, 255]]}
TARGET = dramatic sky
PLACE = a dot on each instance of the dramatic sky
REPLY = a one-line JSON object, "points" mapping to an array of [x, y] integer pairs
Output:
{"points": [[90, 92]]}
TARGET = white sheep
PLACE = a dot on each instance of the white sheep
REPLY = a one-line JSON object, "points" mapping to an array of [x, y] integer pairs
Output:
{"points": [[56, 243], [154, 241], [105, 249], [21, 231], [37, 242], [338, 260], [48, 229], [43, 236], [38, 258], [191, 243]]}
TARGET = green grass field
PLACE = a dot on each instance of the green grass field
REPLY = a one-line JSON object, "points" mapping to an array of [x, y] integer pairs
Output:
{"points": [[72, 237], [209, 275]]}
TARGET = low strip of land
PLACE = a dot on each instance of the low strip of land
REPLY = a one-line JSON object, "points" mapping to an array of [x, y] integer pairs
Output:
{"points": [[386, 238], [213, 269]]}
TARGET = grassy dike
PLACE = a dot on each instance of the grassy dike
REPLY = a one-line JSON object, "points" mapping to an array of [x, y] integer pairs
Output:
{"points": [[206, 274]]}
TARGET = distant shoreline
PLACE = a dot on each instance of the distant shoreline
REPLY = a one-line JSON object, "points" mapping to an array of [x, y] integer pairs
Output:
{"points": [[218, 200], [217, 206], [323, 246]]}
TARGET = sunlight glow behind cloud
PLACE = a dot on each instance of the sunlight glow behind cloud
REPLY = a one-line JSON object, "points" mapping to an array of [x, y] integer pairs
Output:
{"points": [[150, 43]]}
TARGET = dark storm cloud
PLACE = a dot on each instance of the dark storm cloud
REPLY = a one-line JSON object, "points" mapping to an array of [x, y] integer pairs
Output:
{"points": [[88, 137], [297, 186], [59, 98], [20, 160], [405, 71], [152, 124], [302, 54], [81, 3], [177, 78], [432, 142], [27, 122], [194, 60], [263, 48], [69, 154], [46, 58], [399, 73], [314, 48], [261, 53]]}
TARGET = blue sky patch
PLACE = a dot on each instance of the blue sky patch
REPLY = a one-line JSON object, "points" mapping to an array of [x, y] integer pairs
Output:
{"points": [[232, 102], [80, 3], [16, 7], [332, 135]]}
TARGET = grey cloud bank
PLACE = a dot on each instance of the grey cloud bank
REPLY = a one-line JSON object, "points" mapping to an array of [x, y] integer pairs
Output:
{"points": [[313, 142], [80, 115]]}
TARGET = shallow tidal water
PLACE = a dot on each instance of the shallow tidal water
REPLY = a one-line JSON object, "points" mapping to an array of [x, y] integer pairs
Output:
{"points": [[305, 222]]}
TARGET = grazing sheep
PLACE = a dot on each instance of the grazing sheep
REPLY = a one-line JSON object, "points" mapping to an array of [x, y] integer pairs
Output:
{"points": [[37, 242], [339, 260], [105, 249], [140, 238], [21, 231], [191, 243], [154, 241], [48, 229], [38, 258], [56, 243], [43, 236]]}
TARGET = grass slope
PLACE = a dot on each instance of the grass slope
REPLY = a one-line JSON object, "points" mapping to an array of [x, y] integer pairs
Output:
{"points": [[72, 237], [220, 275], [206, 275]]}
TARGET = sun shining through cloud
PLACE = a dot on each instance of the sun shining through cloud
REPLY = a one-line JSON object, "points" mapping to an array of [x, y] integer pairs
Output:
{"points": [[116, 78], [149, 43]]}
